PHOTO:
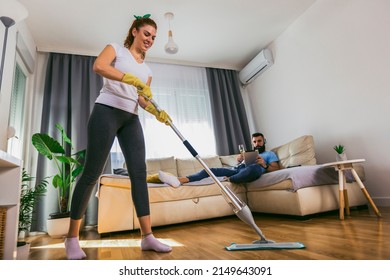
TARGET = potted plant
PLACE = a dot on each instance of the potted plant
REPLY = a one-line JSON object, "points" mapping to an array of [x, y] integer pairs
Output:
{"points": [[340, 150], [68, 167], [28, 196]]}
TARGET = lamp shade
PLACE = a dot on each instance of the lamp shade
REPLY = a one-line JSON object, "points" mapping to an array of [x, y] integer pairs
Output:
{"points": [[171, 47], [13, 9]]}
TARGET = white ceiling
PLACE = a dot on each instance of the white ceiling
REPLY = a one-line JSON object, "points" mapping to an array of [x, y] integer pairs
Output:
{"points": [[215, 33]]}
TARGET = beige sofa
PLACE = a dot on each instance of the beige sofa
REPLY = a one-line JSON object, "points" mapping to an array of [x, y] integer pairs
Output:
{"points": [[204, 200]]}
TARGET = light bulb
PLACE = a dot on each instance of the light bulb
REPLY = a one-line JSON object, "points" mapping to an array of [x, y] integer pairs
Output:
{"points": [[171, 47]]}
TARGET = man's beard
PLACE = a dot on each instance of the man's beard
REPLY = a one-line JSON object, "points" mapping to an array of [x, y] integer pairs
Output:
{"points": [[260, 149]]}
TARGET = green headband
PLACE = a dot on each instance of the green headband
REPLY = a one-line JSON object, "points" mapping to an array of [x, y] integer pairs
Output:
{"points": [[145, 16]]}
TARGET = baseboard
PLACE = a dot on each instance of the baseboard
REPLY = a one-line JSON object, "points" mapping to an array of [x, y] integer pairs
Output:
{"points": [[381, 201]]}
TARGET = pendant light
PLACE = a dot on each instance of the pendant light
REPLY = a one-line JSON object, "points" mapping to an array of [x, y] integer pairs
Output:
{"points": [[171, 47]]}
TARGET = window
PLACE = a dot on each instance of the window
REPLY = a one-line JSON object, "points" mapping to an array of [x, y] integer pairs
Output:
{"points": [[181, 91], [16, 117]]}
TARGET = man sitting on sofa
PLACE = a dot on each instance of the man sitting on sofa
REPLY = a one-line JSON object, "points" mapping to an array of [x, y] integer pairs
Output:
{"points": [[267, 161]]}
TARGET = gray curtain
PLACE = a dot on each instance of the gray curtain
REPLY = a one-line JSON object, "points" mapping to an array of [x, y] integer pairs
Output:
{"points": [[71, 88], [230, 122]]}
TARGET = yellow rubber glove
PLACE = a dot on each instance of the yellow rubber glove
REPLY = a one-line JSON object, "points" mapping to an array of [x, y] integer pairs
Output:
{"points": [[161, 116], [142, 88], [145, 92]]}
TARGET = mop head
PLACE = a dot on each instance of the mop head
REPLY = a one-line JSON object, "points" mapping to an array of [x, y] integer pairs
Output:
{"points": [[265, 246]]}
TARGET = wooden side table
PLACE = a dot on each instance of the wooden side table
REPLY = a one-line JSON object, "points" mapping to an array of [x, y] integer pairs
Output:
{"points": [[341, 166]]}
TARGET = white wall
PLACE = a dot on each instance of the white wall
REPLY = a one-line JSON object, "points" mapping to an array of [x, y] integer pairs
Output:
{"points": [[331, 80]]}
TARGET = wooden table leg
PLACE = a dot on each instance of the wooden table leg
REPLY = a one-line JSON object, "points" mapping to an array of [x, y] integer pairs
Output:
{"points": [[346, 200], [341, 195], [365, 192]]}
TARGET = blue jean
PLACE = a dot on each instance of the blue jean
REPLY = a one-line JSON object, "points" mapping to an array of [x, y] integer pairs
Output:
{"points": [[239, 174]]}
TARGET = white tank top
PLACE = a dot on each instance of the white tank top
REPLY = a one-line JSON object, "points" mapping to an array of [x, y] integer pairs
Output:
{"points": [[120, 95]]}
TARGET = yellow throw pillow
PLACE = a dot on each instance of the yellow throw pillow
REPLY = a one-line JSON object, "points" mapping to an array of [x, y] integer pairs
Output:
{"points": [[153, 178]]}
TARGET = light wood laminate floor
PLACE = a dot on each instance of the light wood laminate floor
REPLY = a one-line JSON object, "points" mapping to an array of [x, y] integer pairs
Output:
{"points": [[361, 236]]}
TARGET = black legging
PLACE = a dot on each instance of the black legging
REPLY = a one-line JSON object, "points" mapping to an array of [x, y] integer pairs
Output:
{"points": [[104, 124]]}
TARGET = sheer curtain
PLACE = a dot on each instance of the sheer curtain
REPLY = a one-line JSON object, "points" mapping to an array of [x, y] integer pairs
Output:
{"points": [[182, 91]]}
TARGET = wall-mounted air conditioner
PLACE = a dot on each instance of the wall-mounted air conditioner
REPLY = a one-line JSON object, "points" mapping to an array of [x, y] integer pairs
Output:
{"points": [[256, 66]]}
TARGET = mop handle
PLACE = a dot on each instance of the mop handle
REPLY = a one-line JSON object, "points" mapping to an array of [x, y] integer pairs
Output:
{"points": [[231, 198]]}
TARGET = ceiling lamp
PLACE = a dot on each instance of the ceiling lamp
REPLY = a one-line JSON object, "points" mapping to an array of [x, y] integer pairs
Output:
{"points": [[171, 47], [11, 12]]}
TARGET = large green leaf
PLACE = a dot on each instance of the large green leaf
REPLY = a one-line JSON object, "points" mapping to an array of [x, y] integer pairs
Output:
{"points": [[77, 171], [68, 166], [80, 154], [63, 135], [65, 159], [47, 145], [57, 181]]}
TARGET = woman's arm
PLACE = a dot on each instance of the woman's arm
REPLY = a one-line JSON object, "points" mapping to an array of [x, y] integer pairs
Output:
{"points": [[141, 100], [103, 67]]}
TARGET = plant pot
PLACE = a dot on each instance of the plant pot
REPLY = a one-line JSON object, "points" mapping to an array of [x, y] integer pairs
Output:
{"points": [[341, 157], [58, 227], [22, 235], [58, 224], [22, 250]]}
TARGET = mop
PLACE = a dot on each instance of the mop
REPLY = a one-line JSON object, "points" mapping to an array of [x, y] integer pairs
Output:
{"points": [[238, 206]]}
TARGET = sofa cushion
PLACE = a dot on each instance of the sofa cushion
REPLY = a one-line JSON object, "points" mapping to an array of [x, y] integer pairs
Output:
{"points": [[167, 164], [150, 178], [164, 192], [190, 166], [297, 152], [228, 161]]}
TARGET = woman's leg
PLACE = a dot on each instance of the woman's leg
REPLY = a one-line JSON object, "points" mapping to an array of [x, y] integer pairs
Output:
{"points": [[101, 134], [131, 140]]}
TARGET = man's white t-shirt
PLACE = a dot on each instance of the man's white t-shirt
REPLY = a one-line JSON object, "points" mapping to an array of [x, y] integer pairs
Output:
{"points": [[121, 95]]}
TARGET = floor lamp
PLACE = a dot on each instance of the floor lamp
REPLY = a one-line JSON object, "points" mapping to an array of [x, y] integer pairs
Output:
{"points": [[11, 11]]}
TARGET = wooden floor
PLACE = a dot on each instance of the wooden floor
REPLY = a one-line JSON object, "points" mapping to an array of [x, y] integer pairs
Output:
{"points": [[362, 236]]}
